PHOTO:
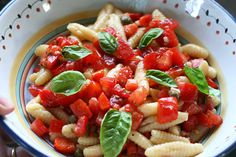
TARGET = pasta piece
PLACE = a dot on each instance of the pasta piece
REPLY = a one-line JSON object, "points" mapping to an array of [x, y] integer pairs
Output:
{"points": [[148, 120], [175, 130], [174, 149], [211, 72], [159, 137], [68, 131], [157, 14], [182, 79], [195, 51], [88, 141], [88, 73], [204, 67], [41, 50], [154, 93], [36, 99], [175, 92], [82, 31], [182, 116], [148, 109], [94, 151], [115, 71], [139, 139], [215, 100], [114, 22], [134, 40], [53, 135], [118, 12], [41, 77], [107, 9], [38, 111], [60, 114], [140, 76], [101, 23], [81, 147]]}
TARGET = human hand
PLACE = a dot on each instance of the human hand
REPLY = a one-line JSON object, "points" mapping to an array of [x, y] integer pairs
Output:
{"points": [[8, 148]]}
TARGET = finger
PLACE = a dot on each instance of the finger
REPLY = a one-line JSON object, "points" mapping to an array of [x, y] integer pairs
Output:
{"points": [[5, 106], [21, 152]]}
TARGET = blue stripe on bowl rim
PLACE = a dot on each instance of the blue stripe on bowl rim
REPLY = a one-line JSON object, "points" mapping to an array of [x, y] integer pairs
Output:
{"points": [[31, 149]]}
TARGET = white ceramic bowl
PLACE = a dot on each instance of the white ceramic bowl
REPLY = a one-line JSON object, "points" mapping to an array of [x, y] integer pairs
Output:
{"points": [[25, 24]]}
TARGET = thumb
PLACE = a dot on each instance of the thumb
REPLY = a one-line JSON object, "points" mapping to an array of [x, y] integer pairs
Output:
{"points": [[5, 106]]}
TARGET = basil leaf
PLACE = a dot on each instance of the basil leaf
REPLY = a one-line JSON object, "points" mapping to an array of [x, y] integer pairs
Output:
{"points": [[75, 52], [214, 92], [149, 37], [161, 78], [68, 82], [196, 76], [107, 42], [114, 132]]}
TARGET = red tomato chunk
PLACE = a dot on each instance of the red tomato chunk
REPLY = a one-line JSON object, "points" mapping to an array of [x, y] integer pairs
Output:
{"points": [[38, 127], [80, 108], [64, 145]]}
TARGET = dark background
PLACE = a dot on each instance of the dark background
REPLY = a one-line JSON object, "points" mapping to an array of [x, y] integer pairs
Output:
{"points": [[229, 5]]}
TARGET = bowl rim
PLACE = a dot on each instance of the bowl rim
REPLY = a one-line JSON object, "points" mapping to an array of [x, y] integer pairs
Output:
{"points": [[36, 152]]}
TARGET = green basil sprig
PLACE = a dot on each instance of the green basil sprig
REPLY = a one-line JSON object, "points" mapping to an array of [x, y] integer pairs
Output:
{"points": [[75, 52], [161, 78], [68, 82], [114, 132], [107, 42], [149, 37], [196, 76]]}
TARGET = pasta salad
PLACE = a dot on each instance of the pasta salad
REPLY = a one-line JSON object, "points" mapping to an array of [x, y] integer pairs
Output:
{"points": [[123, 86]]}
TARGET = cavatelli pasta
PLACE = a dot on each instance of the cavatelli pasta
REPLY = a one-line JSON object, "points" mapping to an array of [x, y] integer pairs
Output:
{"points": [[88, 141], [115, 71], [41, 50], [159, 137], [182, 79], [139, 139], [148, 120], [204, 67], [68, 130], [148, 109], [107, 9], [175, 130], [38, 111], [211, 72], [154, 93], [182, 116], [94, 151], [174, 149], [41, 77], [60, 114], [101, 23], [157, 14], [140, 76], [53, 135], [82, 31], [195, 51], [133, 41]]}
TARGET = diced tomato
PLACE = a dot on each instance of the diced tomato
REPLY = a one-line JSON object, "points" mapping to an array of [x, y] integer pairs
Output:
{"points": [[191, 123], [99, 118], [130, 29], [109, 61], [133, 62], [168, 39], [98, 74], [167, 109], [124, 74], [120, 91], [94, 105], [131, 148], [134, 16], [138, 96], [124, 50], [177, 58], [209, 119], [67, 65], [116, 101], [192, 108], [64, 145], [56, 126], [81, 126], [208, 104], [49, 61], [93, 90], [64, 41], [34, 90], [80, 108], [152, 83], [137, 119], [175, 72], [149, 60], [164, 61], [164, 24], [145, 19], [104, 103], [107, 84], [36, 69], [164, 92], [48, 98], [188, 91], [211, 83], [73, 40], [38, 127], [130, 108], [131, 85]]}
